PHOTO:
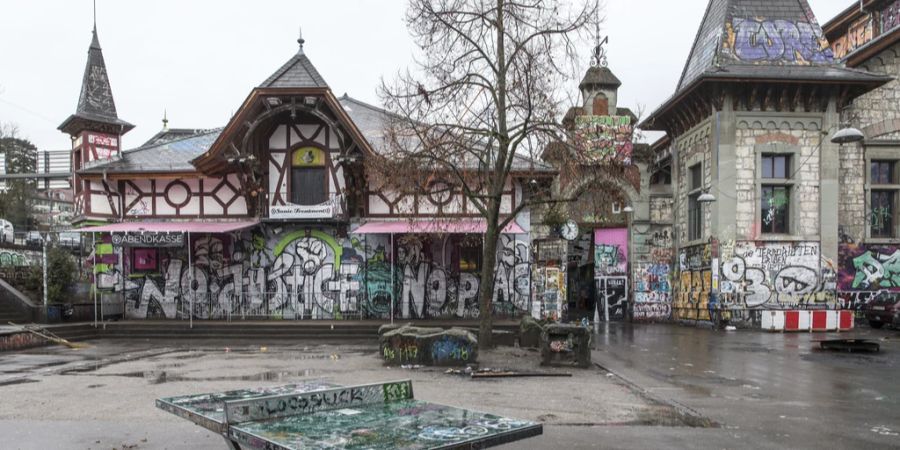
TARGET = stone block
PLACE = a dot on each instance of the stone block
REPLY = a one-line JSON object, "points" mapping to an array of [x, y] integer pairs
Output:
{"points": [[566, 345], [530, 333], [428, 346]]}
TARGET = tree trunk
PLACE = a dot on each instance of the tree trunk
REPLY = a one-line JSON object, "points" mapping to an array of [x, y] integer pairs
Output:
{"points": [[486, 290]]}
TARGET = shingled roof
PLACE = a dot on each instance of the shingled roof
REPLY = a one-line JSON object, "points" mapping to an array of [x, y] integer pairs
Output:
{"points": [[297, 72], [95, 103], [599, 76], [372, 122], [771, 40], [163, 154]]}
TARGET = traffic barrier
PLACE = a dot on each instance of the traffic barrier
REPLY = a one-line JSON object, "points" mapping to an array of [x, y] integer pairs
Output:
{"points": [[807, 320]]}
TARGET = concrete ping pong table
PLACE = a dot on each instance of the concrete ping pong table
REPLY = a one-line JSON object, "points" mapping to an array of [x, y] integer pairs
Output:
{"points": [[326, 416]]}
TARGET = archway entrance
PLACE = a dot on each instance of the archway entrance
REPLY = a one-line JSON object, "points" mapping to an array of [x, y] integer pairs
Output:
{"points": [[598, 271]]}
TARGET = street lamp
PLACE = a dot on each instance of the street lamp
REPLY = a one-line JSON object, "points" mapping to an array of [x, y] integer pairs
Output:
{"points": [[847, 135], [706, 197], [628, 209]]}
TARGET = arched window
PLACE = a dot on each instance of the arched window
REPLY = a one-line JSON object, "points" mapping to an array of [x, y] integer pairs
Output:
{"points": [[309, 176]]}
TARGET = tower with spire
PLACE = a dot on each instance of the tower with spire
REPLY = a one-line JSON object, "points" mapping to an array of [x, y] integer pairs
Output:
{"points": [[749, 128], [95, 128]]}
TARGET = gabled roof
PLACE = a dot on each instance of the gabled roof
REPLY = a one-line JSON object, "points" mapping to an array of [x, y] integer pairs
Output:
{"points": [[95, 103], [297, 72], [170, 154], [762, 40]]}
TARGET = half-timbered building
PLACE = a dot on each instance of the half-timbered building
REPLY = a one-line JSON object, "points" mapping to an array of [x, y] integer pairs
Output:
{"points": [[274, 214]]}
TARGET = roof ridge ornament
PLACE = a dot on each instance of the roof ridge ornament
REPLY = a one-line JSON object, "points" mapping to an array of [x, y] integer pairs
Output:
{"points": [[300, 39], [599, 57]]}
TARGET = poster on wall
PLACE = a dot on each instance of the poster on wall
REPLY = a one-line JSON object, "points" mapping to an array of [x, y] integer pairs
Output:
{"points": [[605, 138], [610, 252]]}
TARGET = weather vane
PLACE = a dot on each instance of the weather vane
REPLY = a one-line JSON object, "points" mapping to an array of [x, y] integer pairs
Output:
{"points": [[599, 58]]}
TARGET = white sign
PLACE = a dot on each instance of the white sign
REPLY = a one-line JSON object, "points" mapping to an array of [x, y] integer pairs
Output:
{"points": [[325, 210]]}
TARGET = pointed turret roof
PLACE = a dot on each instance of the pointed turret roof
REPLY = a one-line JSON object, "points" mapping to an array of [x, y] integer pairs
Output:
{"points": [[297, 72], [762, 40], [599, 76], [96, 105]]}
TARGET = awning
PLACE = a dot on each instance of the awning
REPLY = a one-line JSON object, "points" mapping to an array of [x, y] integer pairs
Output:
{"points": [[470, 226], [169, 227]]}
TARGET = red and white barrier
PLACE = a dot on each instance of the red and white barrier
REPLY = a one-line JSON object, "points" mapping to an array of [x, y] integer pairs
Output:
{"points": [[807, 320]]}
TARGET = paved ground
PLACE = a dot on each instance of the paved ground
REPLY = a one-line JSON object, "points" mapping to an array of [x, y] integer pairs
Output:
{"points": [[758, 390]]}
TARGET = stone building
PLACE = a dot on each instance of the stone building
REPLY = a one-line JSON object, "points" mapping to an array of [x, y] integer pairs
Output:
{"points": [[866, 36], [759, 187]]}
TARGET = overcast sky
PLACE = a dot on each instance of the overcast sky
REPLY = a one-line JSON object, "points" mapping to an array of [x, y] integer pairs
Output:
{"points": [[200, 59]]}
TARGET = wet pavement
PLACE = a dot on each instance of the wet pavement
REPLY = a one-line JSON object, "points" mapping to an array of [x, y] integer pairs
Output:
{"points": [[653, 386], [762, 390]]}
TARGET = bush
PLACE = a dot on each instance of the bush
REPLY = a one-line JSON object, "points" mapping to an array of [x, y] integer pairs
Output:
{"points": [[62, 272]]}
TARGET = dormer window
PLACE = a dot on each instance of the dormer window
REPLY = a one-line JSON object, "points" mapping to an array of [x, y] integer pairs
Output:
{"points": [[309, 176]]}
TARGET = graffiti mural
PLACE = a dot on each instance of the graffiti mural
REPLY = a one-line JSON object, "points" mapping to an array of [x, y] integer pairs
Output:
{"points": [[869, 267], [605, 138], [757, 40], [610, 251], [15, 258], [776, 275], [303, 273]]}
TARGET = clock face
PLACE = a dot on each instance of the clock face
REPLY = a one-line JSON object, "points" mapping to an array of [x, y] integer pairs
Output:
{"points": [[569, 231]]}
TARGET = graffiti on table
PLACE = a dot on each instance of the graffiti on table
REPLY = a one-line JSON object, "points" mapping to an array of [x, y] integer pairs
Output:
{"points": [[783, 42], [310, 274], [610, 251], [778, 274], [869, 267]]}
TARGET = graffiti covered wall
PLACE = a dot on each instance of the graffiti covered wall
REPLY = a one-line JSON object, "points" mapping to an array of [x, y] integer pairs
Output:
{"points": [[652, 271], [866, 270], [307, 273], [776, 275]]}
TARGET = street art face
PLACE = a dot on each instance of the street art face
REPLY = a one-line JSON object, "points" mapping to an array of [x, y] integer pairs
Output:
{"points": [[754, 40], [309, 274]]}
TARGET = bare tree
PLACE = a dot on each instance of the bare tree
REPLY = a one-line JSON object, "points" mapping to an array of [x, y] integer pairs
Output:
{"points": [[487, 96]]}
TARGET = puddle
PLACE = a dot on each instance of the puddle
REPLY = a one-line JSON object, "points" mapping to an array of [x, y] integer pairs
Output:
{"points": [[19, 381], [163, 376]]}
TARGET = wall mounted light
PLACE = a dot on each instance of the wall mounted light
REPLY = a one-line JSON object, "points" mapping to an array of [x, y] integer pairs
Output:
{"points": [[847, 135], [706, 197]]}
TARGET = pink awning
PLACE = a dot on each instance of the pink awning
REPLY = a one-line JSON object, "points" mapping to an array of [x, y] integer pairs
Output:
{"points": [[170, 227], [465, 226]]}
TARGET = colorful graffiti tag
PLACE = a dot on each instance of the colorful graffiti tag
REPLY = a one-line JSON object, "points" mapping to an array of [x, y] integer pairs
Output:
{"points": [[310, 274], [605, 138], [755, 40], [610, 251], [869, 267], [652, 275]]}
